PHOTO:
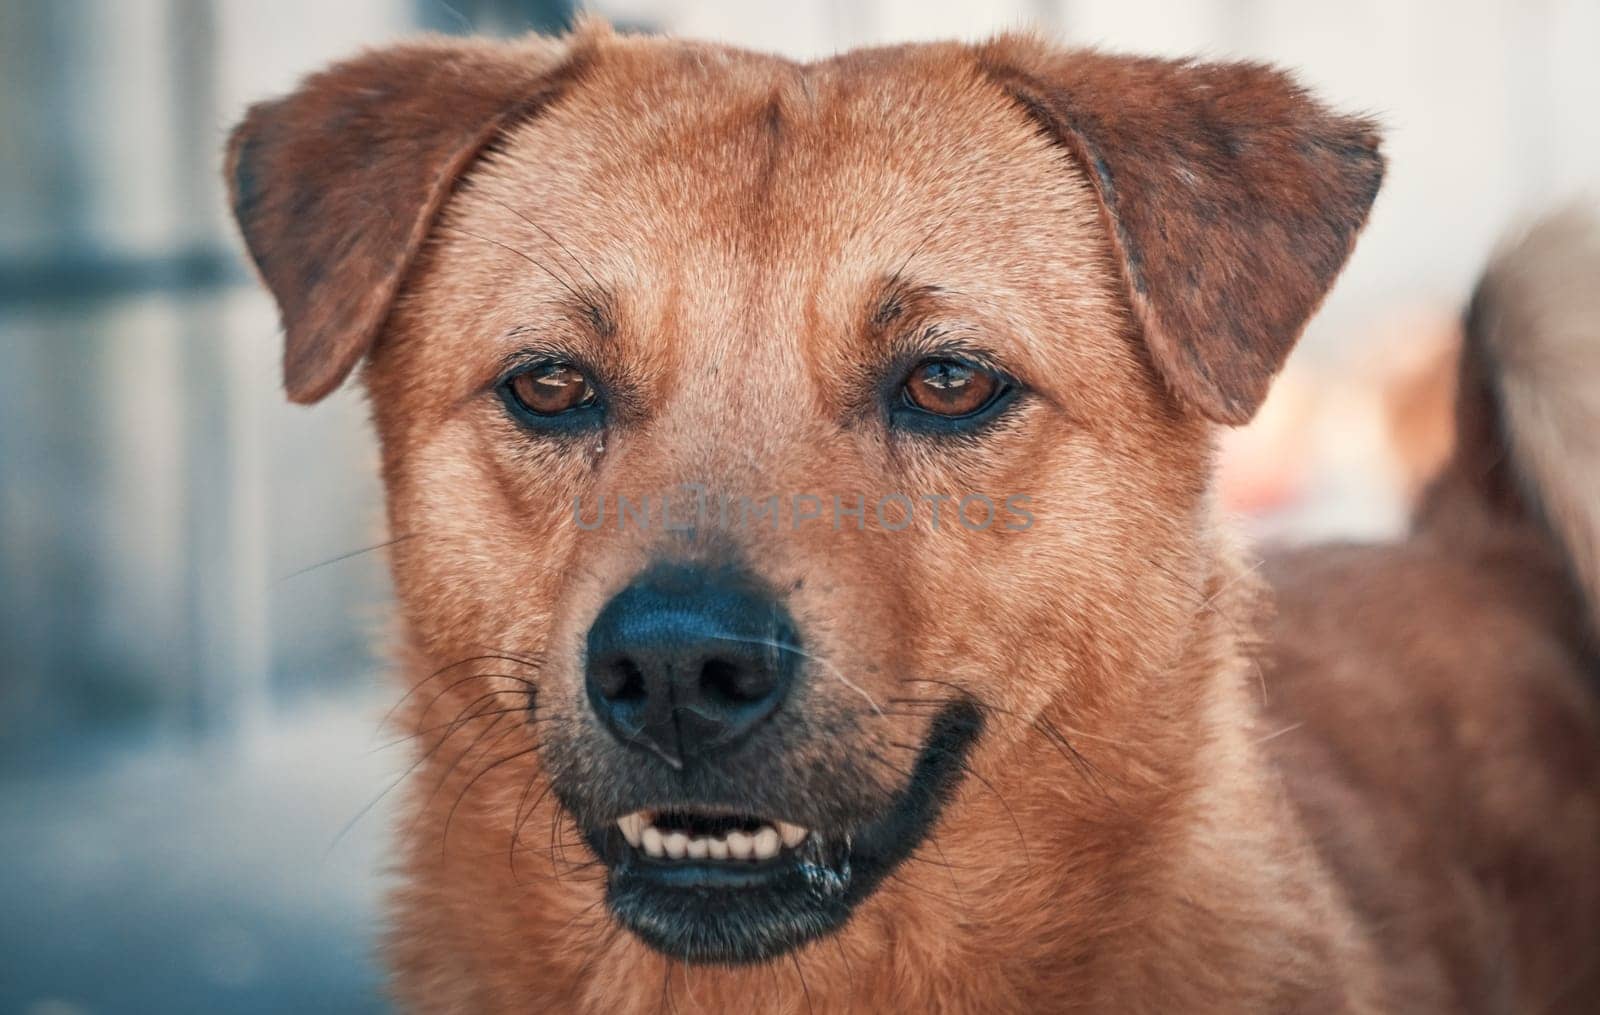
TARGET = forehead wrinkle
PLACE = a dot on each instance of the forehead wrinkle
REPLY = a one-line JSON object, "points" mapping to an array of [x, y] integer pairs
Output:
{"points": [[758, 148]]}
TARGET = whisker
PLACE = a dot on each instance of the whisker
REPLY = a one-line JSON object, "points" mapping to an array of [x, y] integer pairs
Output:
{"points": [[528, 688], [513, 250], [398, 781], [576, 917], [582, 975], [441, 671], [1044, 725], [450, 769], [805, 988], [1275, 735], [797, 650], [349, 556], [949, 868], [444, 839], [1208, 605], [688, 991], [900, 880], [487, 700], [898, 274], [1003, 711], [599, 289], [482, 715], [520, 818], [967, 769], [849, 971]]}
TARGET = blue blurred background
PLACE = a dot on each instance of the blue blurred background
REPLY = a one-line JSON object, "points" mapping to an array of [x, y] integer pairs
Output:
{"points": [[192, 766]]}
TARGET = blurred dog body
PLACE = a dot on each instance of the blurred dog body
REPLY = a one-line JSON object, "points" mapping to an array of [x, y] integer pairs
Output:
{"points": [[1090, 763]]}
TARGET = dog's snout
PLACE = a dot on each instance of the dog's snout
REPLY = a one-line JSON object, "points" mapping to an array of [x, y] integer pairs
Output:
{"points": [[687, 660]]}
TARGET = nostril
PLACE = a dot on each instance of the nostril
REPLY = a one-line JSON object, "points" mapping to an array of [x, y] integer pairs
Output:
{"points": [[622, 681], [728, 683], [686, 660]]}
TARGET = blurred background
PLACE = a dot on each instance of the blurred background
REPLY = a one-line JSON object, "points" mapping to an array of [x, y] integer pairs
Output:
{"points": [[192, 769]]}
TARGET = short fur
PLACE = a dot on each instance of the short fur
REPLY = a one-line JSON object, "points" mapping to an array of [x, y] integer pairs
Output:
{"points": [[1382, 797]]}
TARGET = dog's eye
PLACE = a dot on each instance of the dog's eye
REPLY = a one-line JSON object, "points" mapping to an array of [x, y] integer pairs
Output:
{"points": [[551, 389], [952, 388]]}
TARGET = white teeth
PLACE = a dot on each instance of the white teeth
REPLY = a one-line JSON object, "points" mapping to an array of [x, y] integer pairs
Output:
{"points": [[764, 843], [652, 841]]}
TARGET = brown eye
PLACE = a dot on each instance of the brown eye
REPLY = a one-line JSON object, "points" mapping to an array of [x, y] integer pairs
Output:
{"points": [[948, 387], [551, 389]]}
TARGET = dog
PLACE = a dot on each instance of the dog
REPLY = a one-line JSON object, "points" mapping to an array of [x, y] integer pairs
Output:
{"points": [[810, 591]]}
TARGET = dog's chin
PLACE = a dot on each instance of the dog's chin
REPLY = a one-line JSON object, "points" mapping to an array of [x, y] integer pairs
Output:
{"points": [[716, 886]]}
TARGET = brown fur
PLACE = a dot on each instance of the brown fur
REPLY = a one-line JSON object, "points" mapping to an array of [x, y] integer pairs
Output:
{"points": [[1391, 807]]}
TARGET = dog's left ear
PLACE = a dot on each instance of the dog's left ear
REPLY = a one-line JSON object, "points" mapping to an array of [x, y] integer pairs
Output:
{"points": [[1231, 197]]}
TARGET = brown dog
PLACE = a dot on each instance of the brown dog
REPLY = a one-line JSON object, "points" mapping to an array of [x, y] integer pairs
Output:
{"points": [[810, 591]]}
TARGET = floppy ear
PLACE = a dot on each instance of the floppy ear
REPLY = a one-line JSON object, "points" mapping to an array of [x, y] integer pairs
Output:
{"points": [[1231, 197], [335, 186]]}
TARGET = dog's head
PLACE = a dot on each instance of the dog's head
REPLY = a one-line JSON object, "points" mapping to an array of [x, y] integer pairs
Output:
{"points": [[791, 436]]}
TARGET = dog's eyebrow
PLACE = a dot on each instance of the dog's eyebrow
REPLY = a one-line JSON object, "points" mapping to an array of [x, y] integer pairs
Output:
{"points": [[595, 308], [589, 310], [589, 307], [896, 296]]}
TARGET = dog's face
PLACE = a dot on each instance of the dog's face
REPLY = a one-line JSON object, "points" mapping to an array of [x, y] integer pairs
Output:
{"points": [[767, 327], [796, 434]]}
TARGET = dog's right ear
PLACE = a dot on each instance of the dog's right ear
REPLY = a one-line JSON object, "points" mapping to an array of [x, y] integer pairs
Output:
{"points": [[336, 185]]}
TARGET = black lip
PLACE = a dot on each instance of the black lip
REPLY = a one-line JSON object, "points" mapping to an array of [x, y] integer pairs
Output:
{"points": [[739, 913], [711, 875]]}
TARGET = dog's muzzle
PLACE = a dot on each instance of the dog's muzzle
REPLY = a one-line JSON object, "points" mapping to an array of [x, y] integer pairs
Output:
{"points": [[685, 668]]}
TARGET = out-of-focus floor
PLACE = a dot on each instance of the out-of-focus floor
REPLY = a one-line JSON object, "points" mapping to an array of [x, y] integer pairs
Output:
{"points": [[169, 879]]}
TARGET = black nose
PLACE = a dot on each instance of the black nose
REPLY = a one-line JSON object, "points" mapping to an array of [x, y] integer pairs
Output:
{"points": [[687, 660]]}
